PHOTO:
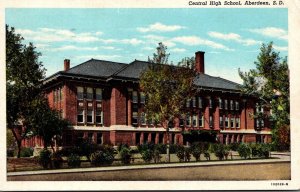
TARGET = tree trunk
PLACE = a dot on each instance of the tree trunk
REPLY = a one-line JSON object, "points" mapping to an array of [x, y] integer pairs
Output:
{"points": [[168, 145], [19, 141]]}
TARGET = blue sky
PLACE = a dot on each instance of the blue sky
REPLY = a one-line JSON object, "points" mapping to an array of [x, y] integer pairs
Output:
{"points": [[230, 38]]}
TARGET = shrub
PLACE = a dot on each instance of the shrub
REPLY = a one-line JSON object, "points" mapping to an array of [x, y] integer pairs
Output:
{"points": [[57, 160], [125, 153], [196, 150], [234, 146], [104, 156], [264, 150], [254, 149], [180, 153], [74, 160], [244, 150], [147, 155], [187, 154], [173, 148], [220, 150], [162, 148], [44, 158], [156, 155], [26, 152], [207, 155], [10, 152]]}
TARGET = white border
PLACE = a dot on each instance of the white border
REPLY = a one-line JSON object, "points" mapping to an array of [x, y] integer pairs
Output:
{"points": [[294, 58]]}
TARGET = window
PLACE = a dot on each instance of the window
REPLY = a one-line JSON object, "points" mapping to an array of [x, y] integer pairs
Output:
{"points": [[225, 104], [79, 93], [99, 138], [90, 116], [188, 102], [142, 97], [226, 122], [211, 121], [181, 121], [201, 120], [231, 105], [237, 105], [135, 107], [137, 138], [260, 123], [146, 135], [200, 102], [80, 116], [232, 122], [99, 115], [54, 96], [188, 120], [89, 94], [91, 137], [143, 118], [210, 102], [135, 118], [134, 97], [221, 121], [237, 122], [220, 104], [194, 101], [195, 123], [98, 94]]}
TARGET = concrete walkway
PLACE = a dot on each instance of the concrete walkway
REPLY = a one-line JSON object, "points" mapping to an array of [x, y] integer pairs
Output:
{"points": [[278, 158]]}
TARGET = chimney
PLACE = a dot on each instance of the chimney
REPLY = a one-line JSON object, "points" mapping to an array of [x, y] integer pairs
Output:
{"points": [[66, 64], [199, 61]]}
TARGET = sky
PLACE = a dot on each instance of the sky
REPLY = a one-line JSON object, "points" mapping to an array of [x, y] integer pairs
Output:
{"points": [[230, 38]]}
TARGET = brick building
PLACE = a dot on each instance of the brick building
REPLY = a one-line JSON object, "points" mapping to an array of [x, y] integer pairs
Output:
{"points": [[102, 101]]}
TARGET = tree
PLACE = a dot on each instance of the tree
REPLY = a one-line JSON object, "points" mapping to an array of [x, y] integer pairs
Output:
{"points": [[46, 122], [166, 89], [24, 98], [269, 82]]}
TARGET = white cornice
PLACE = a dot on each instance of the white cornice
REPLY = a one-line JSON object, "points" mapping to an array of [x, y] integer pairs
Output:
{"points": [[121, 128], [252, 131]]}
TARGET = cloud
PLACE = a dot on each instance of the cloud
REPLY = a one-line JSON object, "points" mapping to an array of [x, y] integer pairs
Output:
{"points": [[155, 39], [132, 41], [57, 35], [280, 48], [177, 50], [234, 37], [159, 27], [71, 47], [101, 57], [271, 32], [194, 40]]}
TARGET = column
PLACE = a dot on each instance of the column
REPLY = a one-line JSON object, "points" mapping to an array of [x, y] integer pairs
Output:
{"points": [[206, 113]]}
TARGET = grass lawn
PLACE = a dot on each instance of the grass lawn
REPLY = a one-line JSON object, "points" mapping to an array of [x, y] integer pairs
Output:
{"points": [[31, 163]]}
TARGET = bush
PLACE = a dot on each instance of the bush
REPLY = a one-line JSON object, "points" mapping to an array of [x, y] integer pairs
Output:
{"points": [[173, 148], [26, 152], [264, 150], [10, 152], [74, 160], [220, 150], [234, 146], [44, 158], [104, 156], [57, 160], [254, 149], [147, 155], [180, 153], [125, 153], [196, 150], [162, 148], [244, 150]]}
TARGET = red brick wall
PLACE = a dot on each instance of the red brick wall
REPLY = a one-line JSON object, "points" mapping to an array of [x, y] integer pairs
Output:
{"points": [[70, 100], [118, 106]]}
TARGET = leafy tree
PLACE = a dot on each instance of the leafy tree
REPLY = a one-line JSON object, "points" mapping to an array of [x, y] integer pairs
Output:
{"points": [[23, 76], [269, 82], [166, 88], [28, 112], [46, 122]]}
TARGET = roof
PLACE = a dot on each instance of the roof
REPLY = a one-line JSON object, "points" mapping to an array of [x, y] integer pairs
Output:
{"points": [[113, 70], [96, 68]]}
